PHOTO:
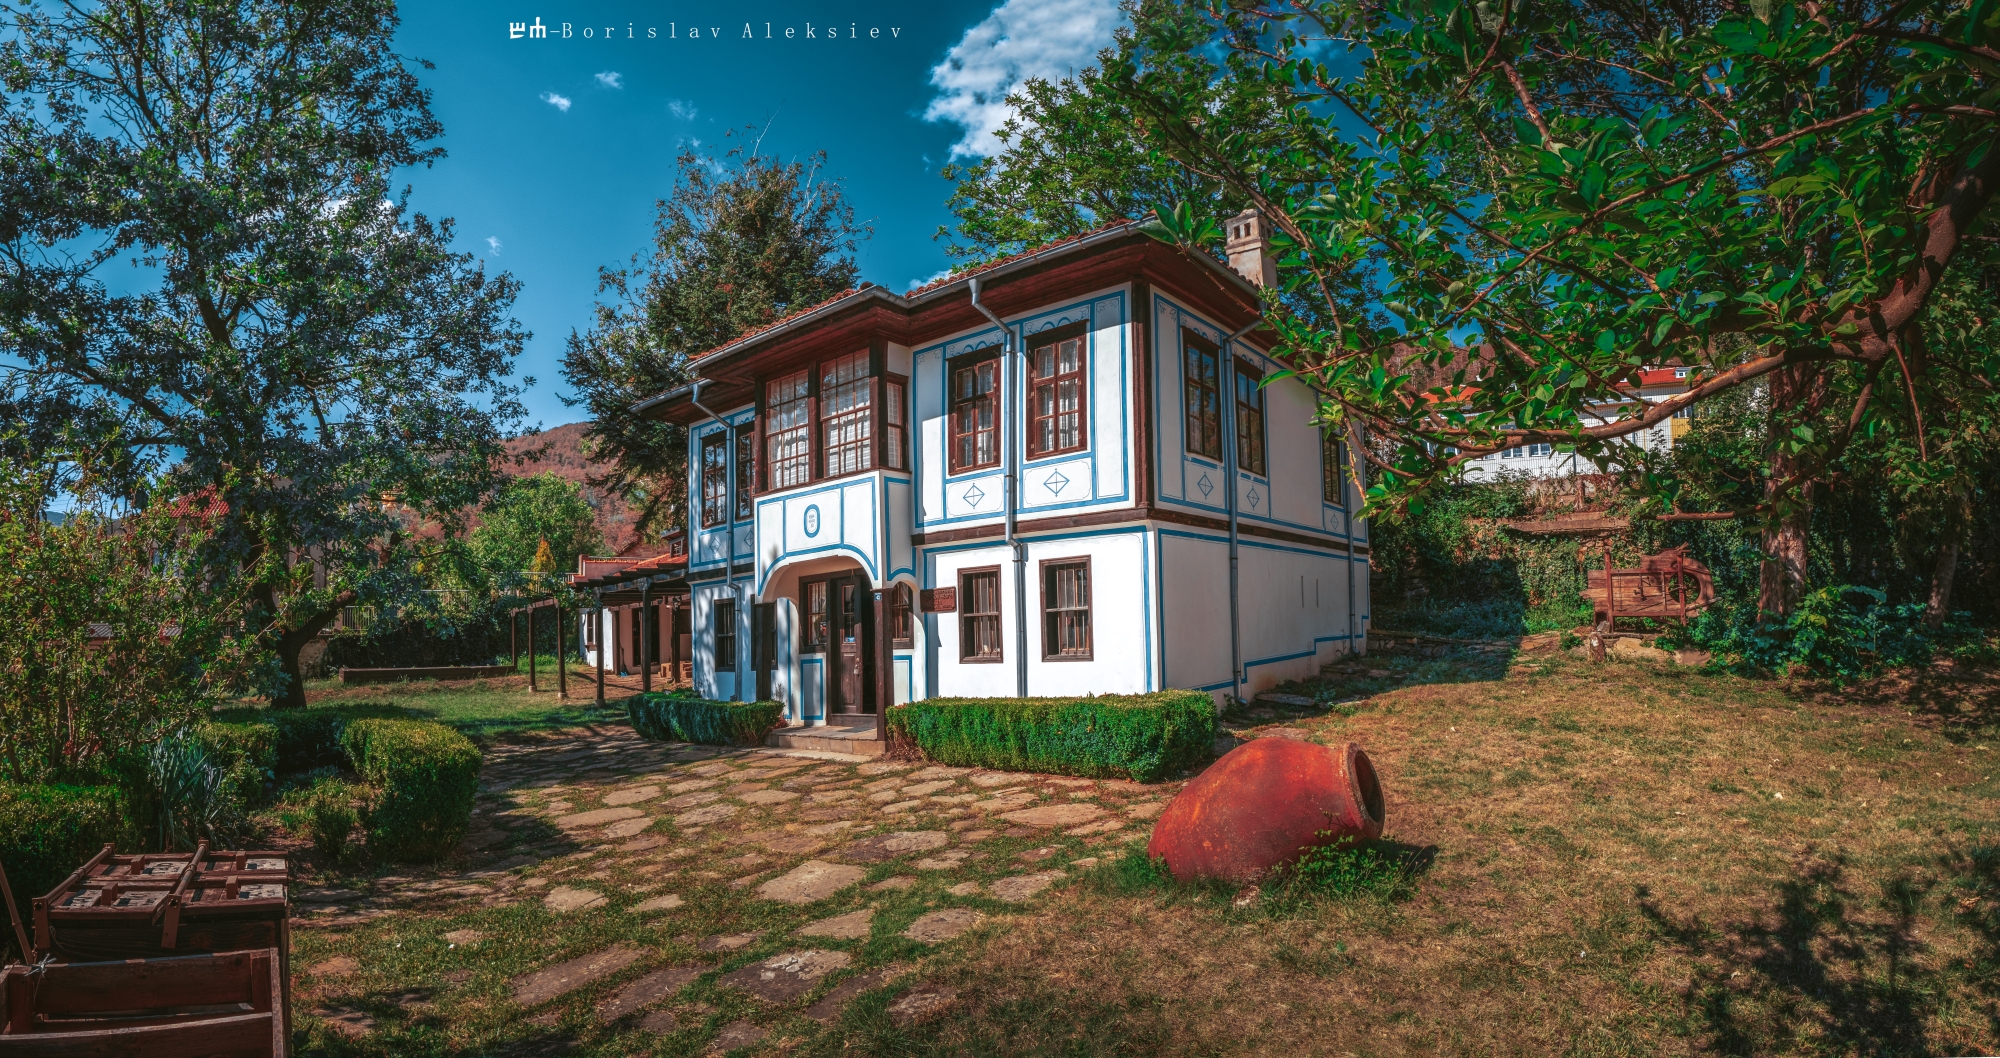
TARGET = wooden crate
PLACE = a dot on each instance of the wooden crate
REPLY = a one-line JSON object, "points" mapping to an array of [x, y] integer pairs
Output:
{"points": [[225, 1005], [152, 906]]}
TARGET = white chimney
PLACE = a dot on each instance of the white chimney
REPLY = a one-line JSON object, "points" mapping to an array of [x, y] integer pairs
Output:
{"points": [[1249, 249]]}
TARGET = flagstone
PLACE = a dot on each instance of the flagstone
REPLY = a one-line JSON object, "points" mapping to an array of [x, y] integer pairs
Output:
{"points": [[921, 1005], [730, 941], [879, 847], [810, 881], [597, 817], [939, 771], [923, 789], [1000, 778], [1058, 815], [783, 978], [851, 926], [338, 966], [632, 796], [882, 767], [660, 1021], [628, 828], [664, 902], [768, 797], [901, 807], [1146, 809], [712, 770], [940, 926], [901, 881], [691, 785], [464, 936], [964, 889], [646, 844], [943, 861], [829, 1006], [737, 1034], [539, 987], [699, 797], [648, 990], [1024, 887], [1101, 827], [708, 814], [563, 898]]}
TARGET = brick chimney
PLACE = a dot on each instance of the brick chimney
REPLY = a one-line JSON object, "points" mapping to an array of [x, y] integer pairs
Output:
{"points": [[1249, 249]]}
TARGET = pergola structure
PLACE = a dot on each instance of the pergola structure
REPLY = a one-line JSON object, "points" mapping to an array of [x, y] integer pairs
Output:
{"points": [[637, 596]]}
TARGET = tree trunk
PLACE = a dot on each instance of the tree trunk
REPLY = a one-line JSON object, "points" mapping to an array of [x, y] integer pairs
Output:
{"points": [[293, 642], [1797, 394], [1939, 606]]}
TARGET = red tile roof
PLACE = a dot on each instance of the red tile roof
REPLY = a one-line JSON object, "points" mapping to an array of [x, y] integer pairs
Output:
{"points": [[1011, 258]]}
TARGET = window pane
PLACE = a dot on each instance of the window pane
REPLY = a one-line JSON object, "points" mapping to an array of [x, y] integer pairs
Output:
{"points": [[787, 436], [975, 440], [714, 479]]}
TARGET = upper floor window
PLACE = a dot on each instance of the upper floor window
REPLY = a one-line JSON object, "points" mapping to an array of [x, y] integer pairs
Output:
{"points": [[788, 430], [746, 471], [1332, 468], [1201, 383], [975, 423], [1249, 418], [892, 426], [1056, 391], [847, 414], [714, 478]]}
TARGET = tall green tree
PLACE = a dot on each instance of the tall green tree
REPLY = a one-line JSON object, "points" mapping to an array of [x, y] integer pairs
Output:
{"points": [[1555, 196], [532, 514], [743, 240], [295, 346]]}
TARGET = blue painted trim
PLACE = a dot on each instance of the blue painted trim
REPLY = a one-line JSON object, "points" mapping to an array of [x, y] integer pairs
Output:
{"points": [[1252, 542], [1095, 452], [1152, 587]]}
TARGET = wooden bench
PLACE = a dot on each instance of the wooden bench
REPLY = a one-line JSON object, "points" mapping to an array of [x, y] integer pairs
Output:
{"points": [[1668, 586]]}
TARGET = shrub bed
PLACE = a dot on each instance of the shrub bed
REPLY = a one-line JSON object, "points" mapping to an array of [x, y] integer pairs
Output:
{"points": [[48, 831], [674, 718], [246, 753], [1144, 736], [425, 776]]}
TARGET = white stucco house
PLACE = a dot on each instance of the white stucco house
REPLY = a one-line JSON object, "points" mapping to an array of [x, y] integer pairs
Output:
{"points": [[1056, 474], [1544, 461]]}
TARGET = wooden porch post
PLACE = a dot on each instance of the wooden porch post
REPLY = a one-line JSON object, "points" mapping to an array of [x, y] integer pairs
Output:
{"points": [[645, 637], [562, 662], [603, 646], [532, 685], [674, 638], [885, 660]]}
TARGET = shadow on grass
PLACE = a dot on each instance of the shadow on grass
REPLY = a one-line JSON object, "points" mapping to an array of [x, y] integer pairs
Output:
{"points": [[1822, 971]]}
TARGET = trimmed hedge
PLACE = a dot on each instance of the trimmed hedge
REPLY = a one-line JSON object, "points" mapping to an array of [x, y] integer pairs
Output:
{"points": [[48, 831], [670, 718], [425, 776], [1144, 736], [247, 754]]}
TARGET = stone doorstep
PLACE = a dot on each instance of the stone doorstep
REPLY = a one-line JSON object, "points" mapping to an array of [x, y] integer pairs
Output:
{"points": [[857, 740]]}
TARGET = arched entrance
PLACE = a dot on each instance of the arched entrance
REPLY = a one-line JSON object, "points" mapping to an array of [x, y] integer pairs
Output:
{"points": [[832, 626]]}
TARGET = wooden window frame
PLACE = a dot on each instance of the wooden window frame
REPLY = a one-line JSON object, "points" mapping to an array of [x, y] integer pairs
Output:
{"points": [[765, 484], [808, 644], [745, 477], [894, 420], [999, 616], [1192, 430], [1332, 468], [870, 448], [718, 439], [952, 367], [715, 618], [902, 617], [1055, 337], [1253, 378], [1045, 570]]}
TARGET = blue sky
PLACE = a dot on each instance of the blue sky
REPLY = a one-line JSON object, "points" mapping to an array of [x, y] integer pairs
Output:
{"points": [[558, 147]]}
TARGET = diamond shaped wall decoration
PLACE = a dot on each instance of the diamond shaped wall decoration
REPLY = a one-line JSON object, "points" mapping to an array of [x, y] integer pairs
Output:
{"points": [[1253, 497], [973, 495], [1206, 486], [1056, 481]]}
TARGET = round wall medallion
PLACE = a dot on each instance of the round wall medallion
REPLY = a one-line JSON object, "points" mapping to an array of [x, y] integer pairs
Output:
{"points": [[812, 520]]}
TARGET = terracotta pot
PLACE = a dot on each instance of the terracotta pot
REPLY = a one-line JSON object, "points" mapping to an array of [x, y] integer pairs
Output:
{"points": [[1265, 802]]}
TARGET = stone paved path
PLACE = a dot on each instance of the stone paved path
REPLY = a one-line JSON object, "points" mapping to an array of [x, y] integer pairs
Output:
{"points": [[658, 880]]}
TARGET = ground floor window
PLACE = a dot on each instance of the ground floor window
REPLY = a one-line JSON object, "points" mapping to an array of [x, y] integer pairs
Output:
{"points": [[979, 615], [1066, 609], [725, 635]]}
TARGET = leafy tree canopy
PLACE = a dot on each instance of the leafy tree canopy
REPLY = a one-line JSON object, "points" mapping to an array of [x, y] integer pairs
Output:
{"points": [[743, 240], [539, 523], [293, 342]]}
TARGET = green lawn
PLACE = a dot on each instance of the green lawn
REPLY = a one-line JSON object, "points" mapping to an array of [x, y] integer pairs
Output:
{"points": [[482, 710]]}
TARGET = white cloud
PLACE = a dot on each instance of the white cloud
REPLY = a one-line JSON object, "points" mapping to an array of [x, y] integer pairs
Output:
{"points": [[1019, 40], [559, 102], [681, 109], [611, 79], [929, 279], [493, 244]]}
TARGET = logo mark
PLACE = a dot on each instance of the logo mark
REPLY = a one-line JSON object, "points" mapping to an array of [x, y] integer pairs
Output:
{"points": [[812, 520]]}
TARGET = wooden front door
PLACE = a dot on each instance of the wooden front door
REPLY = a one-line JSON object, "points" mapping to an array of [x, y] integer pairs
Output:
{"points": [[848, 612]]}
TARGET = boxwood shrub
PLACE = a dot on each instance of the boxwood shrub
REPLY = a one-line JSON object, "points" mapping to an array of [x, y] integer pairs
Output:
{"points": [[678, 718], [48, 831], [1144, 736], [247, 754], [424, 777]]}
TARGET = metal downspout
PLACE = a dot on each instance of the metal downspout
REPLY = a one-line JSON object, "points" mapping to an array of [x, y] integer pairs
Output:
{"points": [[729, 549], [1228, 371], [1009, 350]]}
